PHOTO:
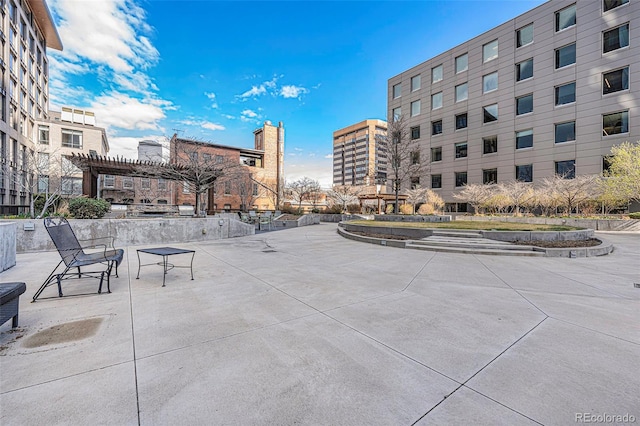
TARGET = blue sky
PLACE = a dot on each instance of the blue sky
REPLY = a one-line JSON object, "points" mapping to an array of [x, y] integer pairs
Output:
{"points": [[215, 70]]}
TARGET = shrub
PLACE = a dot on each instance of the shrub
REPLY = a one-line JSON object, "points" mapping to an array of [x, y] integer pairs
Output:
{"points": [[88, 208], [634, 215], [354, 208], [406, 209], [335, 209], [426, 209]]}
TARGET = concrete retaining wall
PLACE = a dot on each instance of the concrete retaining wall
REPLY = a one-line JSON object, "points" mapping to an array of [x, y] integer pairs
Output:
{"points": [[597, 224], [411, 218], [304, 220], [584, 234], [135, 231], [414, 233], [7, 245]]}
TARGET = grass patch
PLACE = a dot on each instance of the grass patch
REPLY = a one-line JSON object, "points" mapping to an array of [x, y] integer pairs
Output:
{"points": [[464, 224]]}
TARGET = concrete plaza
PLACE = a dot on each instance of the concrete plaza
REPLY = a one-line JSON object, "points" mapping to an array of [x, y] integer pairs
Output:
{"points": [[302, 326]]}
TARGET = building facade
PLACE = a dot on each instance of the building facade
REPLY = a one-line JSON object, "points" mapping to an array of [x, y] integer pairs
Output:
{"points": [[549, 92], [24, 95], [359, 154], [253, 179], [70, 131]]}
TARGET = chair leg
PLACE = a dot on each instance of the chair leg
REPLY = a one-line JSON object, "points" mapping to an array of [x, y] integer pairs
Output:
{"points": [[59, 285], [14, 322], [101, 279]]}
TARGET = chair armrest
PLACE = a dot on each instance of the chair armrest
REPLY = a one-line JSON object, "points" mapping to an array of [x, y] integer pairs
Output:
{"points": [[108, 242]]}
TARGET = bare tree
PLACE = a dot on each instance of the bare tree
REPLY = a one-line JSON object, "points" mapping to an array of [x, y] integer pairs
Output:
{"points": [[571, 193], [475, 194], [404, 159], [519, 193], [302, 190], [246, 187], [197, 170], [344, 195], [415, 196]]}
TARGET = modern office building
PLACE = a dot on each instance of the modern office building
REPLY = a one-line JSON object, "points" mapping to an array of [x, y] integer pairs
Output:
{"points": [[70, 131], [549, 92], [359, 154], [24, 95]]}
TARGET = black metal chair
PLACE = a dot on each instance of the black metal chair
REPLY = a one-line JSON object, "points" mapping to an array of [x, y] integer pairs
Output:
{"points": [[74, 256]]}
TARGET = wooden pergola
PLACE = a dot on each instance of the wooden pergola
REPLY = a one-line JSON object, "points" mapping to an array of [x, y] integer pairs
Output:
{"points": [[93, 166]]}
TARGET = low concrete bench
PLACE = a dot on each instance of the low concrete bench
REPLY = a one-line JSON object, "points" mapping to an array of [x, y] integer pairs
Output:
{"points": [[9, 301]]}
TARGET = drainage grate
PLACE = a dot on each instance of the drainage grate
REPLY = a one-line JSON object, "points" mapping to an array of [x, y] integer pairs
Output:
{"points": [[636, 285], [269, 251]]}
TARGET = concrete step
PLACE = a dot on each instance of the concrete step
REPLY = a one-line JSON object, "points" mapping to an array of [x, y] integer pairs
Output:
{"points": [[457, 234], [478, 243], [519, 251]]}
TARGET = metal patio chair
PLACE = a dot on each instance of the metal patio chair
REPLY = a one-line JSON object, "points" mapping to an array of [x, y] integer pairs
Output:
{"points": [[73, 255]]}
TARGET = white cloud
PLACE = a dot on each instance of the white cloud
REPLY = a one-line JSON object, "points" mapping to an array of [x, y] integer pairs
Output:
{"points": [[328, 156], [127, 147], [121, 110], [292, 91], [212, 98], [107, 41], [204, 124], [250, 116], [229, 117], [260, 89], [106, 32]]}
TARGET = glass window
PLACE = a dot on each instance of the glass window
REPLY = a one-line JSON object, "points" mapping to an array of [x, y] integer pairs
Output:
{"points": [[436, 154], [615, 81], [397, 112], [462, 92], [415, 108], [524, 70], [490, 113], [436, 74], [566, 56], [415, 83], [461, 121], [415, 132], [461, 179], [566, 169], [612, 4], [436, 181], [436, 100], [461, 150], [109, 181], [616, 38], [145, 183], [615, 123], [489, 176], [490, 82], [524, 139], [490, 145], [524, 36], [566, 132], [71, 138], [436, 127], [566, 94], [524, 104], [397, 90], [127, 182], [566, 18], [462, 63], [162, 184], [490, 51], [43, 135], [524, 173], [415, 157]]}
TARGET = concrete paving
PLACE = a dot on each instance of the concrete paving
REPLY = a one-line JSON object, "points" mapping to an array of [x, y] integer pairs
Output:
{"points": [[302, 326]]}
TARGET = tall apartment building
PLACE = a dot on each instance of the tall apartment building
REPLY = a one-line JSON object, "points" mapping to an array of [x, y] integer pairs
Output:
{"points": [[27, 30], [70, 131], [359, 154], [550, 91]]}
